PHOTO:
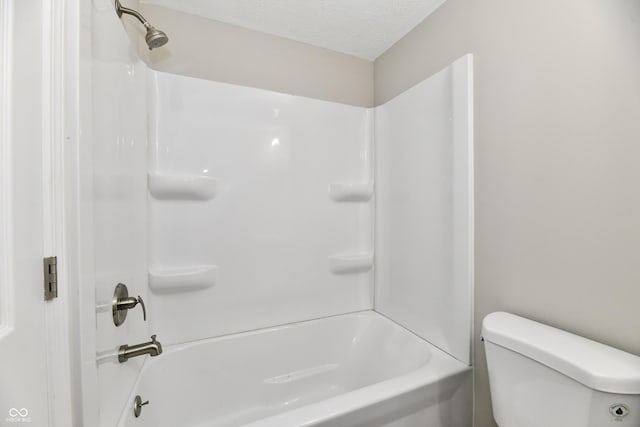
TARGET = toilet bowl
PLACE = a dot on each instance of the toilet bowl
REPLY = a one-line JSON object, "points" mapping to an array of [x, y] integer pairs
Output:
{"points": [[541, 376]]}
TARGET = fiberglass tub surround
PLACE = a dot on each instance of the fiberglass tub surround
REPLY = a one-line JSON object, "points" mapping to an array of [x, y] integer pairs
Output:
{"points": [[262, 257], [243, 231]]}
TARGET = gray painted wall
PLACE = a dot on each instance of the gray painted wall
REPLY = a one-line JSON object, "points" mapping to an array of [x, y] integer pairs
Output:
{"points": [[208, 49], [557, 131]]}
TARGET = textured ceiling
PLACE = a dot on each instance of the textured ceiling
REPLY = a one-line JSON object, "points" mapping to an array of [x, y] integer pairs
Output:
{"points": [[363, 28]]}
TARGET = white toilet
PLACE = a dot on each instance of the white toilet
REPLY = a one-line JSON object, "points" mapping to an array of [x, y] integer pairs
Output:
{"points": [[545, 377]]}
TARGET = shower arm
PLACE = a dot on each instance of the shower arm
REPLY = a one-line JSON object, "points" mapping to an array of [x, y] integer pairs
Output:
{"points": [[125, 10]]}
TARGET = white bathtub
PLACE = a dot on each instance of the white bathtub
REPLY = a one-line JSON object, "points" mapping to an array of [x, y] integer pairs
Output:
{"points": [[357, 369]]}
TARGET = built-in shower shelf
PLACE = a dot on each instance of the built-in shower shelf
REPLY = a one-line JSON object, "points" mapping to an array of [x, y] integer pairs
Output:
{"points": [[180, 280], [351, 263], [181, 187], [350, 192]]}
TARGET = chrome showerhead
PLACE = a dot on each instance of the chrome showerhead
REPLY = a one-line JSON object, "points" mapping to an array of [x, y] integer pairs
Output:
{"points": [[155, 38]]}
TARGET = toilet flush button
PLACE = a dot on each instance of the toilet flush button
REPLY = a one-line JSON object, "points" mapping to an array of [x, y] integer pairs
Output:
{"points": [[619, 410]]}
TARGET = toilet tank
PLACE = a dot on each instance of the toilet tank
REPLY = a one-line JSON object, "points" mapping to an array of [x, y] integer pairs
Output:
{"points": [[541, 376]]}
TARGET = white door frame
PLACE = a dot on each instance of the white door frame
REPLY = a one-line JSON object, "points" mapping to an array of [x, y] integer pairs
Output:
{"points": [[70, 355], [56, 113], [59, 132], [51, 43]]}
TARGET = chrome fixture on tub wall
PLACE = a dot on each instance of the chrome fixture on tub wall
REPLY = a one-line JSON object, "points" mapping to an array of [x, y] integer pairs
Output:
{"points": [[122, 303], [137, 406], [154, 37], [153, 348]]}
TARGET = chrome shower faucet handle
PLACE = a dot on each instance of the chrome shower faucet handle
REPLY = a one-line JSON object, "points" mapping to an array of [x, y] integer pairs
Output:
{"points": [[122, 303]]}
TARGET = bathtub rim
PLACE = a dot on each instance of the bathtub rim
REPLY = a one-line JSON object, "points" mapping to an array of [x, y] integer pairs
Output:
{"points": [[175, 347]]}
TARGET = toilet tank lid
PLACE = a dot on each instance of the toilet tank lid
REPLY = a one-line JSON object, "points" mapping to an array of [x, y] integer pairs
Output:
{"points": [[593, 364]]}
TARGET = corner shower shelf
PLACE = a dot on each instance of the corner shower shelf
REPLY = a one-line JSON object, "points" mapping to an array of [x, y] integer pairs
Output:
{"points": [[350, 192], [182, 187], [351, 263], [180, 280]]}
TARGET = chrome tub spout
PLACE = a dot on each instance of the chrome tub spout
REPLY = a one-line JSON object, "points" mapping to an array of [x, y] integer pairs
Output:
{"points": [[153, 348]]}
